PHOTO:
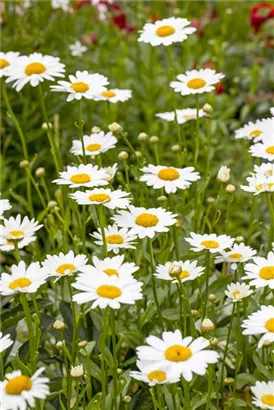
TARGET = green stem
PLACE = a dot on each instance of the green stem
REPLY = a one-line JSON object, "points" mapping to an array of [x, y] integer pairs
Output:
{"points": [[154, 283], [127, 175], [100, 215], [185, 386], [197, 140], [81, 127], [271, 230], [27, 312], [182, 313], [207, 273], [209, 387], [114, 355], [16, 251]]}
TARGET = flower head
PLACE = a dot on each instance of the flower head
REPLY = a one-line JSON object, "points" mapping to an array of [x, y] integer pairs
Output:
{"points": [[94, 144], [264, 149], [6, 61], [117, 238], [196, 82], [181, 270], [261, 322], [5, 342], [103, 196], [4, 206], [261, 272], [183, 116], [256, 131], [63, 264], [238, 253], [238, 291], [77, 49], [152, 374], [113, 95], [114, 266], [263, 395], [84, 175], [211, 242]]}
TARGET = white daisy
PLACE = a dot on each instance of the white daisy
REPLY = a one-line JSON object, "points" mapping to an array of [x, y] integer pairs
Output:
{"points": [[169, 178], [82, 84], [63, 264], [183, 355], [106, 290], [261, 322], [271, 110], [264, 170], [114, 266], [95, 144], [114, 95], [258, 184], [212, 242], [145, 222], [5, 342], [236, 254], [111, 171], [196, 81], [264, 149], [84, 175], [60, 4], [23, 279], [261, 272], [185, 270], [4, 206], [77, 49], [15, 229], [116, 238], [166, 31], [238, 291], [256, 131], [152, 375], [101, 196], [19, 391], [34, 69], [183, 115], [263, 395], [6, 61]]}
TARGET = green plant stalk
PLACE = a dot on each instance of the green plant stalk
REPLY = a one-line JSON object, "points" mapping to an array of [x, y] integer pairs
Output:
{"points": [[208, 148], [104, 381], [81, 127], [37, 189], [209, 386], [193, 331], [100, 216], [182, 314], [84, 229], [185, 386], [16, 251], [271, 211], [207, 273], [127, 175], [197, 140], [160, 397], [154, 284], [115, 362], [27, 312]]}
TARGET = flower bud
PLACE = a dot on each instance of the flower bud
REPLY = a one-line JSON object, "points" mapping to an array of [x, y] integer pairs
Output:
{"points": [[127, 399], [46, 126], [239, 239], [115, 127], [162, 198], [138, 154], [59, 325], [77, 371], [82, 344], [119, 371], [40, 172], [175, 271], [59, 345], [195, 313], [24, 164], [223, 174], [153, 139], [123, 155], [229, 11], [228, 381], [230, 189], [208, 108], [212, 297], [211, 200], [95, 129], [58, 193], [52, 204], [178, 223], [213, 342], [176, 148], [207, 326], [142, 136]]}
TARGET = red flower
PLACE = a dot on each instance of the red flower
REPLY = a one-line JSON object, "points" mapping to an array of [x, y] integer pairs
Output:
{"points": [[219, 88], [259, 14]]}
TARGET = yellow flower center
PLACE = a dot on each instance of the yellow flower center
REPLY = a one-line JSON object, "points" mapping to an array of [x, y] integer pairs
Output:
{"points": [[16, 385], [99, 198], [267, 273], [65, 267], [255, 133], [235, 294], [165, 31], [93, 147], [268, 399], [146, 220], [157, 375], [270, 150], [269, 325], [210, 244], [168, 174], [19, 283], [108, 94], [80, 178], [177, 353], [111, 272], [109, 292], [114, 239], [184, 274], [196, 83], [79, 87], [187, 116], [3, 63], [16, 234], [235, 256], [35, 68]]}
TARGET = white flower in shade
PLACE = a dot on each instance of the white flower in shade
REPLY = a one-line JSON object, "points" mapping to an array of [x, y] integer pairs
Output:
{"points": [[104, 290], [114, 95], [114, 266], [5, 342], [60, 4], [256, 131], [238, 291], [34, 69], [23, 279], [82, 84], [238, 253], [16, 229], [223, 174], [184, 356], [261, 322], [183, 270], [183, 115], [272, 110], [20, 392], [263, 395], [84, 175], [152, 375], [264, 149], [261, 272], [63, 264], [116, 238], [145, 222], [166, 31], [77, 371], [111, 171], [258, 184], [196, 81], [6, 61], [212, 242], [77, 49], [4, 206], [169, 178], [95, 144], [265, 170], [101, 196]]}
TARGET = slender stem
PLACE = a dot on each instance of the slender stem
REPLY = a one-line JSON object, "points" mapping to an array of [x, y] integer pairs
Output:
{"points": [[27, 312], [207, 266], [81, 127], [182, 314], [271, 230], [16, 251], [114, 355], [186, 393], [197, 140], [127, 175], [209, 387], [104, 379], [100, 215], [154, 284]]}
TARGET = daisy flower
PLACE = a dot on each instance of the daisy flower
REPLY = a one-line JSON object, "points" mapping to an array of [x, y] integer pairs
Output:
{"points": [[34, 69], [212, 242], [77, 49], [166, 31], [261, 322], [258, 184], [20, 391], [60, 4], [264, 170], [63, 264], [104, 290], [110, 266], [196, 81], [263, 395], [238, 291], [116, 238], [23, 279], [183, 116], [169, 178], [101, 196], [261, 272], [82, 84], [84, 175], [114, 95], [185, 270], [184, 356], [152, 375], [4, 206], [236, 254], [15, 229], [111, 172], [6, 60], [264, 149], [256, 131], [95, 144], [145, 222], [5, 342]]}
